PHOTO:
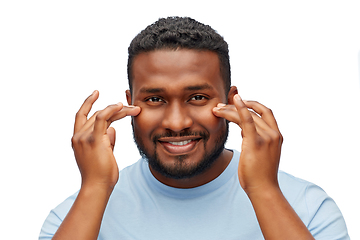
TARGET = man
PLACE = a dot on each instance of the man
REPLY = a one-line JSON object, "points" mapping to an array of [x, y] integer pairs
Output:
{"points": [[187, 185]]}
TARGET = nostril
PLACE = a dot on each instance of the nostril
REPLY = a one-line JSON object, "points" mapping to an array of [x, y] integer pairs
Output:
{"points": [[176, 118]]}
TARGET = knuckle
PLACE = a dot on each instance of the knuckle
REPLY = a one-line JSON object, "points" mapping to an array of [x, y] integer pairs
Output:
{"points": [[249, 119], [269, 111], [111, 106], [96, 113], [78, 114], [276, 137], [103, 114], [75, 140], [99, 117], [275, 134], [83, 139], [281, 138], [266, 111]]}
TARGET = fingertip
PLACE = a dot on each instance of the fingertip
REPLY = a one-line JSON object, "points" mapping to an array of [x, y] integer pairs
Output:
{"points": [[218, 112], [120, 104], [138, 110], [95, 93], [238, 101], [215, 110], [134, 111], [111, 130], [94, 96]]}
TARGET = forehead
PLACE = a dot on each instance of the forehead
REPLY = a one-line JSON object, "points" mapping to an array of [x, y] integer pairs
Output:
{"points": [[176, 69]]}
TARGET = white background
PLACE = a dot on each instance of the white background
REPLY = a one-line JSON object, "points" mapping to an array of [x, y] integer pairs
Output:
{"points": [[300, 58]]}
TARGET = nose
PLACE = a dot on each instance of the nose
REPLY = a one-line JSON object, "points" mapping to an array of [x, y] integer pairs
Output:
{"points": [[177, 117]]}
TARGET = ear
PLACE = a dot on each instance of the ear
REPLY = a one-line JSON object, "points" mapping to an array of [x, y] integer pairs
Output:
{"points": [[128, 97], [231, 94]]}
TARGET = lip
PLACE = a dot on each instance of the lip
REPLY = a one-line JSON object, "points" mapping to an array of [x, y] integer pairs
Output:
{"points": [[179, 146]]}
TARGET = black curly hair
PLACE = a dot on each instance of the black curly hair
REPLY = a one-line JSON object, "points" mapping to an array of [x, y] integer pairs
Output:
{"points": [[180, 32]]}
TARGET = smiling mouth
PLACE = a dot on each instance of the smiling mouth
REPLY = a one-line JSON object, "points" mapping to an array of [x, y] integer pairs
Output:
{"points": [[182, 143], [177, 147]]}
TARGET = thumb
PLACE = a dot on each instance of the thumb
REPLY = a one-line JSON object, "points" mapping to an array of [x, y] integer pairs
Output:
{"points": [[112, 136]]}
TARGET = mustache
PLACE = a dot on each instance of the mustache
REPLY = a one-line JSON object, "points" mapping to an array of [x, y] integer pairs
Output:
{"points": [[186, 133]]}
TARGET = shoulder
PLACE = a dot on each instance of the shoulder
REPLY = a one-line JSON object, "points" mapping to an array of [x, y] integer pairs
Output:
{"points": [[58, 214], [314, 206], [55, 217], [296, 189], [301, 193]]}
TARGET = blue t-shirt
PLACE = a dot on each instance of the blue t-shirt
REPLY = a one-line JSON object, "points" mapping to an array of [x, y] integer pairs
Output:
{"points": [[141, 207]]}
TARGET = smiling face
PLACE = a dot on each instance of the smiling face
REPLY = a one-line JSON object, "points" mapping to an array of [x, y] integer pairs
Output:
{"points": [[176, 129]]}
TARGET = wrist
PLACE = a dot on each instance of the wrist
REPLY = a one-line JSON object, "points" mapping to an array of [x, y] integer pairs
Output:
{"points": [[265, 192], [96, 189]]}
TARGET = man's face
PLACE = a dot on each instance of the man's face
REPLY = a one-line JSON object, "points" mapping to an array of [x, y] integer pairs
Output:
{"points": [[176, 129]]}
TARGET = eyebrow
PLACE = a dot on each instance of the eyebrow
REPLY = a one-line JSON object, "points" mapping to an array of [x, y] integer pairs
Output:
{"points": [[152, 90], [188, 88], [198, 87]]}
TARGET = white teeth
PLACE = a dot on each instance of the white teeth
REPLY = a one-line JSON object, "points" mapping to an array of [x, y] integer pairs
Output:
{"points": [[180, 143]]}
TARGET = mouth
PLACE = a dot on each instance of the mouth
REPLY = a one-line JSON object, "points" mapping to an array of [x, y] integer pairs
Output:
{"points": [[182, 143], [179, 146]]}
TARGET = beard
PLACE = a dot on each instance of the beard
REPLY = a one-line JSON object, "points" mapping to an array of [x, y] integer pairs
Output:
{"points": [[180, 170]]}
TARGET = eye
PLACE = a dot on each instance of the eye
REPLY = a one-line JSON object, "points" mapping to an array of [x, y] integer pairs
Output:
{"points": [[154, 100], [198, 99]]}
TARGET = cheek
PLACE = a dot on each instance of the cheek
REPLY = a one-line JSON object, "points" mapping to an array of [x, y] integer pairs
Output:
{"points": [[147, 121], [208, 120]]}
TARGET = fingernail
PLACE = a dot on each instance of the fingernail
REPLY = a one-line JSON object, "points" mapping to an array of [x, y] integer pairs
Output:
{"points": [[221, 105], [237, 97]]}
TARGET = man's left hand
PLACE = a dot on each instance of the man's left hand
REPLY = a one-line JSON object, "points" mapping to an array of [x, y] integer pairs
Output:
{"points": [[261, 145]]}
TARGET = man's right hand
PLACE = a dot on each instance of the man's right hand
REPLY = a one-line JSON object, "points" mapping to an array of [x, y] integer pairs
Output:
{"points": [[93, 142]]}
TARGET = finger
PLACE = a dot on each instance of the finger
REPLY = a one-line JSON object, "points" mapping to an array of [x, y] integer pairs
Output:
{"points": [[265, 113], [125, 111], [259, 122], [265, 131], [81, 115], [247, 121], [261, 127], [229, 112], [89, 125], [101, 120], [112, 136]]}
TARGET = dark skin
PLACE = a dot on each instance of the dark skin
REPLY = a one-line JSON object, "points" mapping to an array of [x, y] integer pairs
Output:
{"points": [[161, 107], [185, 104]]}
